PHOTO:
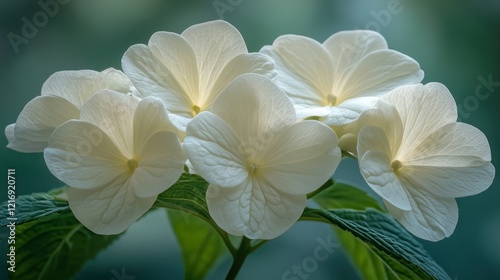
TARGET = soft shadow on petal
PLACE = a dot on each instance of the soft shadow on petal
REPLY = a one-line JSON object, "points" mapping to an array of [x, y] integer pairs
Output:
{"points": [[301, 158], [213, 150], [82, 156], [375, 167], [110, 209], [254, 209], [430, 218]]}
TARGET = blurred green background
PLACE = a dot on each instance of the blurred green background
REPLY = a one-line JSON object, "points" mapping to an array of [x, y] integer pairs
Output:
{"points": [[457, 44]]}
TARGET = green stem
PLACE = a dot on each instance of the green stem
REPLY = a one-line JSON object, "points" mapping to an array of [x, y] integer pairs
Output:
{"points": [[349, 154], [326, 185], [239, 258]]}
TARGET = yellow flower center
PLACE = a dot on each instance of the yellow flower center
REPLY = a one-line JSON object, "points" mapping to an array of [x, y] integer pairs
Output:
{"points": [[132, 165], [331, 99], [252, 169], [396, 165], [196, 109]]}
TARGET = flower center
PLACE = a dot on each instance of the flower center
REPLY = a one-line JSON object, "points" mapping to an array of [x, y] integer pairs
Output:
{"points": [[396, 165], [253, 168], [132, 165], [196, 109], [331, 99]]}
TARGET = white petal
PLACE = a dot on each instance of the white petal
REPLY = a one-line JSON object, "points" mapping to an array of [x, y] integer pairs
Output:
{"points": [[254, 106], [301, 91], [377, 74], [347, 48], [244, 63], [375, 167], [430, 218], [447, 181], [110, 209], [254, 209], [455, 144], [150, 117], [301, 158], [81, 155], [305, 112], [423, 110], [176, 55], [373, 139], [161, 162], [212, 148], [78, 86], [113, 112], [152, 78], [23, 145], [215, 44], [349, 110]]}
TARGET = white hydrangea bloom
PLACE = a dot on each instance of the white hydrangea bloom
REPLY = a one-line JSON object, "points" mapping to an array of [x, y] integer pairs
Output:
{"points": [[259, 161], [116, 158], [188, 71], [342, 77], [418, 158], [63, 94]]}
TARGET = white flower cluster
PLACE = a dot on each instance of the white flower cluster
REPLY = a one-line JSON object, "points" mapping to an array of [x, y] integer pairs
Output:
{"points": [[262, 128]]}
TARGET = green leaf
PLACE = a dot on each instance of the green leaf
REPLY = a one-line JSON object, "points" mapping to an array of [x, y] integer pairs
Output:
{"points": [[399, 252], [55, 247], [341, 195], [31, 207], [200, 244]]}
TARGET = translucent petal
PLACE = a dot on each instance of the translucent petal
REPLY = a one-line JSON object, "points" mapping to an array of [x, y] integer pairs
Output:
{"points": [[110, 209], [300, 158], [82, 156], [254, 107], [430, 218], [150, 117], [423, 110], [153, 78], [254, 209], [213, 150], [160, 164], [215, 44], [176, 55], [78, 86], [375, 167], [22, 145], [113, 112]]}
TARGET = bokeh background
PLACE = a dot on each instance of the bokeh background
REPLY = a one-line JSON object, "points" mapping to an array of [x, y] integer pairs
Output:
{"points": [[457, 44]]}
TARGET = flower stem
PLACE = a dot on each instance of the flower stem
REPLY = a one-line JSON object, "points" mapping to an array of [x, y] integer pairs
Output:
{"points": [[326, 185], [239, 258]]}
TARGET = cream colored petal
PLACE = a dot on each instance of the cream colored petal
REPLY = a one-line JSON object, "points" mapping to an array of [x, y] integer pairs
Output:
{"points": [[377, 74], [385, 117], [453, 145], [215, 44], [347, 48], [110, 209], [254, 209], [349, 110], [375, 167], [22, 145], [113, 112], [300, 158], [373, 139], [150, 117], [37, 121], [423, 110], [153, 78], [78, 86], [430, 218], [176, 55], [244, 63], [303, 112], [82, 156], [301, 91], [254, 107], [309, 61], [452, 181], [160, 164], [213, 150]]}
